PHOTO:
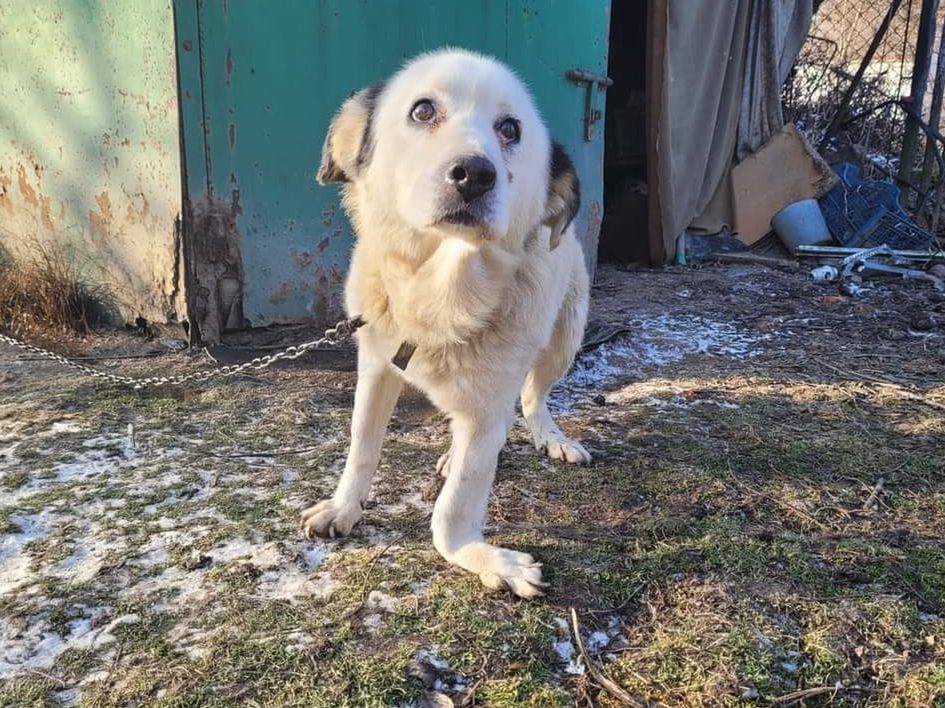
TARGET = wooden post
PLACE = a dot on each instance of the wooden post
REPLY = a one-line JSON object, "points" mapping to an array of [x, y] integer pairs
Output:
{"points": [[920, 80], [935, 114], [844, 107]]}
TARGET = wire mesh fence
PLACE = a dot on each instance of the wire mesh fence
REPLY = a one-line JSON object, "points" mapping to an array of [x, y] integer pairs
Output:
{"points": [[841, 35]]}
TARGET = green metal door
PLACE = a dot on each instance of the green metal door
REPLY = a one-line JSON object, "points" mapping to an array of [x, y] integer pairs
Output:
{"points": [[261, 80]]}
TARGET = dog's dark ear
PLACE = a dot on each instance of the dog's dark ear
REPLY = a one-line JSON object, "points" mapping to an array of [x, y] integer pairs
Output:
{"points": [[348, 144], [564, 194]]}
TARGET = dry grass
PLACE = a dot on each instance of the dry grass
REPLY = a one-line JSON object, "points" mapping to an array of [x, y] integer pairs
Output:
{"points": [[45, 295]]}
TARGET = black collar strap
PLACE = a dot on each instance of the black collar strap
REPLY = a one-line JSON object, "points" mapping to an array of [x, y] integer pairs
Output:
{"points": [[404, 351]]}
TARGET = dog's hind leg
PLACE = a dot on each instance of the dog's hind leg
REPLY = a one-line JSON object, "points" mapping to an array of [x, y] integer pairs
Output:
{"points": [[374, 399], [459, 513], [549, 367]]}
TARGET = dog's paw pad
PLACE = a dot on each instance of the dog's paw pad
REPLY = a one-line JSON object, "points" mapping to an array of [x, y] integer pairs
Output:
{"points": [[330, 519]]}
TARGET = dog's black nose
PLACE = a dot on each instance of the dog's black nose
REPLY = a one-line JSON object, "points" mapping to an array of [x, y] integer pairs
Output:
{"points": [[472, 176]]}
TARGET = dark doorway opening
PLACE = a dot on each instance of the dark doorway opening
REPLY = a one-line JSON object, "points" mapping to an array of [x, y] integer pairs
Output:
{"points": [[623, 237]]}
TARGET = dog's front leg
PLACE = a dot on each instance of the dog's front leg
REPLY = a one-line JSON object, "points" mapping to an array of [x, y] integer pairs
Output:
{"points": [[374, 399], [459, 513]]}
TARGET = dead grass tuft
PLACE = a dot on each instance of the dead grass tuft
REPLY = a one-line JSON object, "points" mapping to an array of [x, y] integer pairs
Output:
{"points": [[44, 295]]}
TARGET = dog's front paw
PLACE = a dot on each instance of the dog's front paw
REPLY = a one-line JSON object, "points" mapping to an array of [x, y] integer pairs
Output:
{"points": [[502, 569], [329, 519], [560, 447]]}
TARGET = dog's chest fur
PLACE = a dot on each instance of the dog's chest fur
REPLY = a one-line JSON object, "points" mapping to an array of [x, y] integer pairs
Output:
{"points": [[461, 306]]}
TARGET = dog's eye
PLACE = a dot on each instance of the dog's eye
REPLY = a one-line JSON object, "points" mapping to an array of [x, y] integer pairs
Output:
{"points": [[423, 111], [510, 130]]}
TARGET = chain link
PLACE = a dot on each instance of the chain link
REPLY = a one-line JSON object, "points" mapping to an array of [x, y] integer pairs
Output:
{"points": [[333, 335]]}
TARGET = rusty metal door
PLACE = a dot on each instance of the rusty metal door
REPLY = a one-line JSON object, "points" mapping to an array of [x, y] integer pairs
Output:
{"points": [[259, 83]]}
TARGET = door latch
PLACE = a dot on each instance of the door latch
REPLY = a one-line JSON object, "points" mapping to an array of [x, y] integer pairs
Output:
{"points": [[592, 114]]}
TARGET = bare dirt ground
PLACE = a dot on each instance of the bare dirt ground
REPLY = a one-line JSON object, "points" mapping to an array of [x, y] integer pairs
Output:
{"points": [[763, 524]]}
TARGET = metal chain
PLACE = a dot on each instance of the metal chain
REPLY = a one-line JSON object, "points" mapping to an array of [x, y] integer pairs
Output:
{"points": [[333, 335]]}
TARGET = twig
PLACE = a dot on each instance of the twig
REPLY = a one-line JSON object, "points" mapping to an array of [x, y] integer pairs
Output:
{"points": [[797, 696], [874, 495], [612, 688], [274, 453], [470, 696], [781, 503], [48, 677]]}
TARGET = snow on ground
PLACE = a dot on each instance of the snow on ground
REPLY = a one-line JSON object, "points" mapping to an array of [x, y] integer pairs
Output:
{"points": [[653, 343]]}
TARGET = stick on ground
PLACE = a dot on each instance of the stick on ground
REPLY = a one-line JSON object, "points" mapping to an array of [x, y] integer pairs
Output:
{"points": [[612, 688]]}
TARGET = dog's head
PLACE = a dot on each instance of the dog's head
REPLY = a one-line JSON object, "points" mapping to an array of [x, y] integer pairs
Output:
{"points": [[453, 146]]}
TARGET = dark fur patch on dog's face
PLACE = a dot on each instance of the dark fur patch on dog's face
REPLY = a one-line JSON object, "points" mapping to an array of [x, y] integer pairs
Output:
{"points": [[349, 142], [564, 193]]}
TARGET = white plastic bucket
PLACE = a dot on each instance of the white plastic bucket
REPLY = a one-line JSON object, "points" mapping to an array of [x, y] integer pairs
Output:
{"points": [[801, 224]]}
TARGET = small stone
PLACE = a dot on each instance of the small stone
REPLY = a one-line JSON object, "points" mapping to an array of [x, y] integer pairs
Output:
{"points": [[749, 692], [922, 322], [197, 561], [600, 399]]}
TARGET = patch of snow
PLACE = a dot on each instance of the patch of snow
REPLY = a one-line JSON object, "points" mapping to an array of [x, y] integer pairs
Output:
{"points": [[377, 600], [372, 621], [289, 571], [656, 342], [37, 645], [432, 657], [408, 502], [565, 651], [188, 586], [86, 561], [597, 641], [67, 697], [315, 555], [14, 561], [61, 427]]}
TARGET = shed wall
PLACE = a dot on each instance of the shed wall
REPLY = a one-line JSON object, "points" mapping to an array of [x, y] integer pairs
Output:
{"points": [[89, 144]]}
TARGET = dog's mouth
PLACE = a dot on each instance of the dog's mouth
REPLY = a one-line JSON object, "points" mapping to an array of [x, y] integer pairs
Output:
{"points": [[462, 217]]}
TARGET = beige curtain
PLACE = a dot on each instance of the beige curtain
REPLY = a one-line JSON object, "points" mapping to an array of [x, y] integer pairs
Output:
{"points": [[725, 63]]}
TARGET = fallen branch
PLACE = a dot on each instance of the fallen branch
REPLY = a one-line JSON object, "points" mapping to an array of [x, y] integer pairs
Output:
{"points": [[612, 688], [874, 495], [805, 693]]}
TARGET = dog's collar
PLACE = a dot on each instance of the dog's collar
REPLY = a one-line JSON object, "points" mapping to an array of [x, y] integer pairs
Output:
{"points": [[404, 352]]}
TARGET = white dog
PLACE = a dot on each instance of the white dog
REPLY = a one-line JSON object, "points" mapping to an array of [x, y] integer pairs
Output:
{"points": [[469, 279]]}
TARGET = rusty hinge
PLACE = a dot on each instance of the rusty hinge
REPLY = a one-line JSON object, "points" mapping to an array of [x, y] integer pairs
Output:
{"points": [[592, 114]]}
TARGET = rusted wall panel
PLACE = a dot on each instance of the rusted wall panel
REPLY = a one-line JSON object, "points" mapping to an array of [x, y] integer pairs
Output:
{"points": [[89, 144]]}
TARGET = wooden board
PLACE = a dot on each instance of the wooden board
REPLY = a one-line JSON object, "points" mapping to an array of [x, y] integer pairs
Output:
{"points": [[786, 169]]}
